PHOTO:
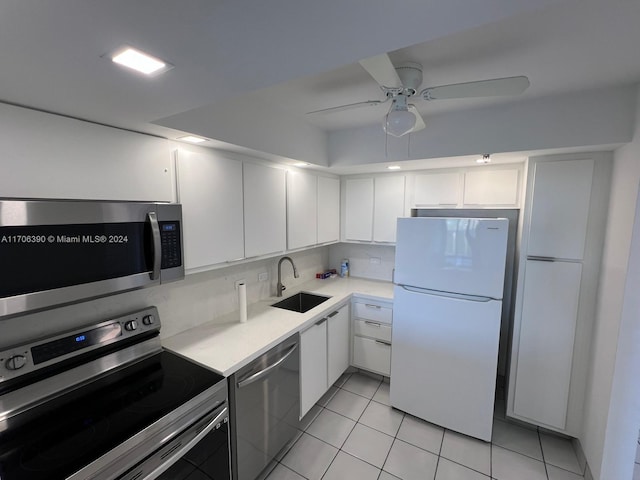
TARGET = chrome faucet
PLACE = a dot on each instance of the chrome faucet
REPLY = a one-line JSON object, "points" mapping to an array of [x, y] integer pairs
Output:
{"points": [[280, 287]]}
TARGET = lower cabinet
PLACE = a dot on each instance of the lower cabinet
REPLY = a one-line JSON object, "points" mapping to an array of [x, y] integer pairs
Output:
{"points": [[324, 356], [372, 335]]}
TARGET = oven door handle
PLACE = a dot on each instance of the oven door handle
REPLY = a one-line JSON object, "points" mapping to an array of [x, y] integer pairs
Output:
{"points": [[157, 245], [177, 451], [264, 372]]}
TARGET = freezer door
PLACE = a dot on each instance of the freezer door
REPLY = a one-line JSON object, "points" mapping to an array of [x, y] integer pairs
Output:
{"points": [[461, 255], [444, 360]]}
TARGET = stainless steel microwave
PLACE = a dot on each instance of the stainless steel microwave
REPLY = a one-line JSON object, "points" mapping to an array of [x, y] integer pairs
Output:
{"points": [[54, 252]]}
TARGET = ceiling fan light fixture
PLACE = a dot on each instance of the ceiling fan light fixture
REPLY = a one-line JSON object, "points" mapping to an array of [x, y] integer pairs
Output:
{"points": [[399, 122]]}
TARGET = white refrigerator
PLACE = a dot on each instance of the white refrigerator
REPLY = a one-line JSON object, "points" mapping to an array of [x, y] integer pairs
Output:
{"points": [[449, 277]]}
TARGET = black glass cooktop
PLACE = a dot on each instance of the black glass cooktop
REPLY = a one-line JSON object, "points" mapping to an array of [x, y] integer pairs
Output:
{"points": [[59, 438]]}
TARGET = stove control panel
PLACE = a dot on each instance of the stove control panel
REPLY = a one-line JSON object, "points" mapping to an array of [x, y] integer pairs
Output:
{"points": [[46, 352]]}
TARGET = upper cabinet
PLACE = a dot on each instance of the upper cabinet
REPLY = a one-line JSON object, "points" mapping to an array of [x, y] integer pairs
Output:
{"points": [[560, 208], [491, 187], [210, 191], [474, 187], [265, 221], [372, 206], [359, 209], [328, 209], [437, 190], [302, 209], [388, 205]]}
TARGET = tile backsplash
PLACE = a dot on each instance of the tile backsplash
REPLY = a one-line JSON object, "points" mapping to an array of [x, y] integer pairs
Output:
{"points": [[374, 262]]}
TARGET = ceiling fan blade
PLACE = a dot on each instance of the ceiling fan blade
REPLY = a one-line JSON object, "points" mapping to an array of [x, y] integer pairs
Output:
{"points": [[350, 106], [483, 88], [382, 71], [419, 120]]}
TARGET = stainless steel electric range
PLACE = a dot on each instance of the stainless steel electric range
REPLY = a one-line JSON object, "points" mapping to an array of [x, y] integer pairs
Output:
{"points": [[107, 402]]}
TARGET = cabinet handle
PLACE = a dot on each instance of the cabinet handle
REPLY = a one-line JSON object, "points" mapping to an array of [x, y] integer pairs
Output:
{"points": [[332, 314], [321, 322], [383, 343], [369, 305], [537, 258], [373, 324]]}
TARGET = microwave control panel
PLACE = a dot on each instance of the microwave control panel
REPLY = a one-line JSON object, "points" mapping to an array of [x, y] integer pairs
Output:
{"points": [[170, 241]]}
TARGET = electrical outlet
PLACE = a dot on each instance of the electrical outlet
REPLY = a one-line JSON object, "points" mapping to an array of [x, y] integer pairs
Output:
{"points": [[374, 260], [238, 282], [263, 277]]}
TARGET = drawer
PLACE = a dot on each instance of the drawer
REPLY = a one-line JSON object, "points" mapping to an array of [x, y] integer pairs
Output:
{"points": [[369, 328], [372, 311], [372, 355]]}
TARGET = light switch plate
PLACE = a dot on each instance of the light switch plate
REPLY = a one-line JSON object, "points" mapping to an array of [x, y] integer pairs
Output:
{"points": [[263, 277], [374, 260]]}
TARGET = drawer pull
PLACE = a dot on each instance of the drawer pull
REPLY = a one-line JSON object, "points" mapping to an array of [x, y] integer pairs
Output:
{"points": [[373, 324], [383, 343], [332, 314], [369, 305], [320, 322]]}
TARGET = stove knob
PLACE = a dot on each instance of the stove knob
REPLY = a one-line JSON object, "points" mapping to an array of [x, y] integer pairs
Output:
{"points": [[131, 325], [16, 362], [148, 320]]}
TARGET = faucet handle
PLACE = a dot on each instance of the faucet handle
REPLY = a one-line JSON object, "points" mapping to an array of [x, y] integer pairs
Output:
{"points": [[283, 288]]}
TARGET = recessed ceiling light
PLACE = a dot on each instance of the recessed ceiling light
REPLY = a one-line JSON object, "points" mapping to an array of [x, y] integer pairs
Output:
{"points": [[486, 158], [140, 61], [192, 139], [393, 167], [301, 164]]}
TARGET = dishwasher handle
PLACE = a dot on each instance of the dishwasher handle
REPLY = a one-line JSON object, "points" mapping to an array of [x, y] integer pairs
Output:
{"points": [[265, 371]]}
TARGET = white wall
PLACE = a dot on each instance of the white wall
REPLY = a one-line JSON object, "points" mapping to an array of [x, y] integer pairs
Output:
{"points": [[611, 418], [199, 298], [375, 262], [581, 119]]}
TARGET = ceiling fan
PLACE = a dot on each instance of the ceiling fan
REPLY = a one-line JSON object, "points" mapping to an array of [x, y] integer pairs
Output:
{"points": [[400, 86]]}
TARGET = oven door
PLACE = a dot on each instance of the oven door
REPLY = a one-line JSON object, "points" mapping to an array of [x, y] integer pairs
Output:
{"points": [[57, 252], [201, 452]]}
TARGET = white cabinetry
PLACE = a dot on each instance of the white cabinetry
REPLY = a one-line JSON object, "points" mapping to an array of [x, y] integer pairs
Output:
{"points": [[265, 221], [324, 356], [313, 365], [436, 190], [328, 209], [210, 190], [491, 187], [302, 200], [372, 206], [562, 242], [359, 209], [388, 205], [372, 335]]}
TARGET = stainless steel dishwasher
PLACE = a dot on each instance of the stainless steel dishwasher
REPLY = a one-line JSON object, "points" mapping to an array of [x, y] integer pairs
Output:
{"points": [[265, 407]]}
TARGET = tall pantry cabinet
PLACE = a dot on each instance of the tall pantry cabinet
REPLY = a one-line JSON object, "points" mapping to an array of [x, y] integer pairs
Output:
{"points": [[562, 239]]}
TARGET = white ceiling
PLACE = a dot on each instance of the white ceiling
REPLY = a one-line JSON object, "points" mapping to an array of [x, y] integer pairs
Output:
{"points": [[300, 56]]}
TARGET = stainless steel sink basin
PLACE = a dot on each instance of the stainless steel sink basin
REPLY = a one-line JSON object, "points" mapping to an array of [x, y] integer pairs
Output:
{"points": [[301, 302]]}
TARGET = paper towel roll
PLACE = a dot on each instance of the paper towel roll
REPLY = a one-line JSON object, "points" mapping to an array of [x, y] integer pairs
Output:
{"points": [[242, 301]]}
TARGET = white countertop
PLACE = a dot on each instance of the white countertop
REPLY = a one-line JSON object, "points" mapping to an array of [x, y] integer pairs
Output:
{"points": [[227, 345]]}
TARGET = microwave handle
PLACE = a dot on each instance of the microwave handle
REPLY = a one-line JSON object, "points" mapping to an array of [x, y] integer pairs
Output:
{"points": [[157, 246]]}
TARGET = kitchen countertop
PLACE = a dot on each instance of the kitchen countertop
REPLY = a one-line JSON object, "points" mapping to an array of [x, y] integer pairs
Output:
{"points": [[227, 345]]}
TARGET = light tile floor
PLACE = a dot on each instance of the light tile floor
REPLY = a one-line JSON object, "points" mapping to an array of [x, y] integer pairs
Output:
{"points": [[353, 433]]}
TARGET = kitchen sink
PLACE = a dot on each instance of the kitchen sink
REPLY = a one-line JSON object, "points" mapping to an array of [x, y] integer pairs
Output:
{"points": [[301, 302]]}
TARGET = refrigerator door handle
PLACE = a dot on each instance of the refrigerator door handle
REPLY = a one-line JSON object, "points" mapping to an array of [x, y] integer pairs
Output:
{"points": [[438, 293]]}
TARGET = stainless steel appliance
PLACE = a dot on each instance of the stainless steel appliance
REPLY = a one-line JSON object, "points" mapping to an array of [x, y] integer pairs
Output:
{"points": [[265, 409], [64, 251], [107, 402]]}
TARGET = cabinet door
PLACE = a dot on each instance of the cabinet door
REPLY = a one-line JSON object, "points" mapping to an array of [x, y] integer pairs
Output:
{"points": [[359, 209], [560, 208], [302, 198], [388, 206], [210, 191], [313, 365], [265, 221], [545, 352], [337, 343], [491, 187], [328, 209], [436, 190]]}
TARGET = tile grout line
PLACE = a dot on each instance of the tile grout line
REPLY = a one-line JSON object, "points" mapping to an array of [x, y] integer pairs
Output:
{"points": [[546, 471]]}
